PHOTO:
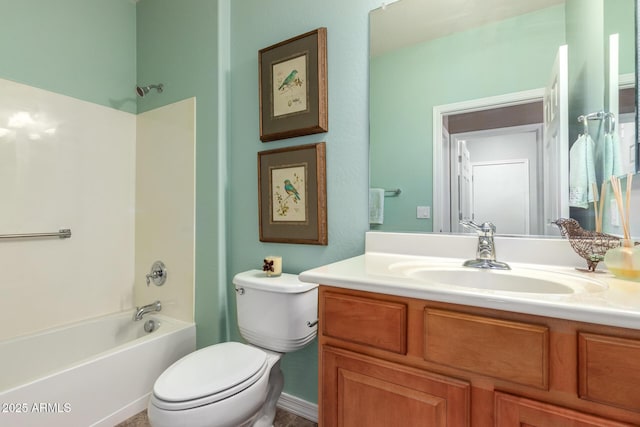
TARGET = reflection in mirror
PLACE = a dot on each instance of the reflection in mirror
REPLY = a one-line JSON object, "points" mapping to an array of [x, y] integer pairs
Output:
{"points": [[472, 115]]}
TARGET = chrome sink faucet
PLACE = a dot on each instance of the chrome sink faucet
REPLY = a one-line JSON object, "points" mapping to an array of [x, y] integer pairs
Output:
{"points": [[145, 309], [486, 253]]}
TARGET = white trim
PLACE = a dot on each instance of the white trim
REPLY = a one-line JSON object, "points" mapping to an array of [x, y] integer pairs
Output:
{"points": [[480, 104], [299, 407], [627, 81]]}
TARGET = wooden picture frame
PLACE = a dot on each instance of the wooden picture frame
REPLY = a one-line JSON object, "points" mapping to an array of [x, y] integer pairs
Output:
{"points": [[292, 195], [293, 87]]}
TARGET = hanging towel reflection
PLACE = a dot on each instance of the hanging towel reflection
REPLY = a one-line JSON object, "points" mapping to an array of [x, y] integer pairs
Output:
{"points": [[376, 205], [612, 157], [582, 172]]}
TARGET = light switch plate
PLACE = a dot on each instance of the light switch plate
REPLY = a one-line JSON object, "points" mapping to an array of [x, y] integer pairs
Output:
{"points": [[423, 212]]}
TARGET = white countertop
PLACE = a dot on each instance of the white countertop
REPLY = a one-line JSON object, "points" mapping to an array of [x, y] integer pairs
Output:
{"points": [[617, 305]]}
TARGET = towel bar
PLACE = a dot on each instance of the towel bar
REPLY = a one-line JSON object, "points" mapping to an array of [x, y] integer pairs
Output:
{"points": [[63, 233]]}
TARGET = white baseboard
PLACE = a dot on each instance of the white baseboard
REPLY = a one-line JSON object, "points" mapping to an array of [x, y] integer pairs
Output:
{"points": [[299, 407]]}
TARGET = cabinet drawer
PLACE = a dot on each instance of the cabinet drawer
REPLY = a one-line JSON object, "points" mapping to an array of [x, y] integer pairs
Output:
{"points": [[609, 370], [519, 411], [511, 351], [375, 323]]}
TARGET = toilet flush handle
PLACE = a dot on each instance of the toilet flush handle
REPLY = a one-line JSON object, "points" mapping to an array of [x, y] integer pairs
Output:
{"points": [[312, 324]]}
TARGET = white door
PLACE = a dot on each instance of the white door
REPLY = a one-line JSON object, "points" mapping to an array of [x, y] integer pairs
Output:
{"points": [[501, 194], [465, 183], [556, 144], [447, 169], [461, 185]]}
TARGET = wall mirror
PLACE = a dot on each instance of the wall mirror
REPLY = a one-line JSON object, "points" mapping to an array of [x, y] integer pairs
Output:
{"points": [[474, 107]]}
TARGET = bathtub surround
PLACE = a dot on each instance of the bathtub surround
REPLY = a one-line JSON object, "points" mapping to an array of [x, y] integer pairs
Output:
{"points": [[64, 163], [165, 206]]}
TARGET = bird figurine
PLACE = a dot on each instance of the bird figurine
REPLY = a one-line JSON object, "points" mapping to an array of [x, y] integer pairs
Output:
{"points": [[289, 79], [590, 245], [290, 189]]}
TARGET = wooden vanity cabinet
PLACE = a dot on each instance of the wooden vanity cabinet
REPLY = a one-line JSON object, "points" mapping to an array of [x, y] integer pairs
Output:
{"points": [[394, 361]]}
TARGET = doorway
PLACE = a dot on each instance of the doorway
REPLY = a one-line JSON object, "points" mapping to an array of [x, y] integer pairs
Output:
{"points": [[496, 175]]}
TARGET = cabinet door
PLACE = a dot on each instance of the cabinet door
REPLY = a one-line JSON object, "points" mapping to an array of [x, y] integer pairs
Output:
{"points": [[358, 390], [514, 411]]}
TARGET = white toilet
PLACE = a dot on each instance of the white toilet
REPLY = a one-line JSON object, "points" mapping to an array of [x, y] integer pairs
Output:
{"points": [[233, 384]]}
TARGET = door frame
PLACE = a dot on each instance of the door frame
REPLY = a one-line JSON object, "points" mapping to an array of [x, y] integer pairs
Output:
{"points": [[480, 104]]}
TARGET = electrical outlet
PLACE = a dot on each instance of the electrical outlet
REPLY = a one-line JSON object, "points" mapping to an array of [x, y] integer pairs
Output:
{"points": [[423, 212]]}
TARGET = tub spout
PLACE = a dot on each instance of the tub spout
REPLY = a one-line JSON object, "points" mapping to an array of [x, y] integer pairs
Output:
{"points": [[149, 308]]}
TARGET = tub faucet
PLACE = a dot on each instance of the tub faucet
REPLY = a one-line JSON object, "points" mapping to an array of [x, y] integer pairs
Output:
{"points": [[486, 252], [145, 309]]}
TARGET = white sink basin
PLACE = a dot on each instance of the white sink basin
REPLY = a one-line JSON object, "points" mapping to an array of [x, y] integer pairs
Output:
{"points": [[515, 280]]}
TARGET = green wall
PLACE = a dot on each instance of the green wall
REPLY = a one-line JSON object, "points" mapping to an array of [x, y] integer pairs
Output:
{"points": [[205, 48], [256, 24], [620, 18], [209, 49], [509, 56], [179, 45], [85, 49]]}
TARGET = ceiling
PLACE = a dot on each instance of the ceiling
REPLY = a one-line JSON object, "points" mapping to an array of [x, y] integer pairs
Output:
{"points": [[407, 22]]}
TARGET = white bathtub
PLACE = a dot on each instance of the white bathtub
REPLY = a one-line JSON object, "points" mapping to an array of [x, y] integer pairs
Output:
{"points": [[95, 373]]}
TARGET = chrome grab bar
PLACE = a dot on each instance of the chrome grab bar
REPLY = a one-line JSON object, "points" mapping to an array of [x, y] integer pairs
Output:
{"points": [[63, 233]]}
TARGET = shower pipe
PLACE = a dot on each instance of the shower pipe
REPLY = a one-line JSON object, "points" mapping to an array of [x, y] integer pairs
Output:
{"points": [[63, 233]]}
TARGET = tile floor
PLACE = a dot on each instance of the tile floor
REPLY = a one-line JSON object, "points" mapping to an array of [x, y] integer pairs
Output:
{"points": [[283, 419]]}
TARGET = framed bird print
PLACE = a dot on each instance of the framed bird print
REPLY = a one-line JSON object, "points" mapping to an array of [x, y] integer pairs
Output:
{"points": [[293, 87], [292, 196]]}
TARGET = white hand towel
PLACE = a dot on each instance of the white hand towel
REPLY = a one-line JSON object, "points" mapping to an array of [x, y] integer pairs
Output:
{"points": [[376, 205], [612, 160], [607, 161], [616, 169], [582, 172]]}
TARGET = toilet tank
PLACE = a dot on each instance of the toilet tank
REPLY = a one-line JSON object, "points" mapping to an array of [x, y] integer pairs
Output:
{"points": [[276, 313]]}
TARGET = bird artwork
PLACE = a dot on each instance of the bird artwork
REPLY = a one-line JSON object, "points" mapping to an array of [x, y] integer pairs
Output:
{"points": [[590, 245], [288, 81], [290, 189]]}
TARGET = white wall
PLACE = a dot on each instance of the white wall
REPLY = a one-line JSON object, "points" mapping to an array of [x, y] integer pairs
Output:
{"points": [[165, 206], [64, 163]]}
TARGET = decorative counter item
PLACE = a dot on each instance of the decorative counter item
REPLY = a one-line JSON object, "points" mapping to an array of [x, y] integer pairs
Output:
{"points": [[624, 261], [272, 266], [590, 245]]}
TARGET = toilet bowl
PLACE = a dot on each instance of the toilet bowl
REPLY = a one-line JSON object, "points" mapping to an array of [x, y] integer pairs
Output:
{"points": [[234, 384]]}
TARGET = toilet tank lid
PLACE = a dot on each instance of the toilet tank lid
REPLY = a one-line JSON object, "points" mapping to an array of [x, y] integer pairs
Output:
{"points": [[285, 283]]}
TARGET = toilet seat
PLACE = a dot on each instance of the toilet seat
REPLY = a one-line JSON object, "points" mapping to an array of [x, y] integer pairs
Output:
{"points": [[209, 375]]}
